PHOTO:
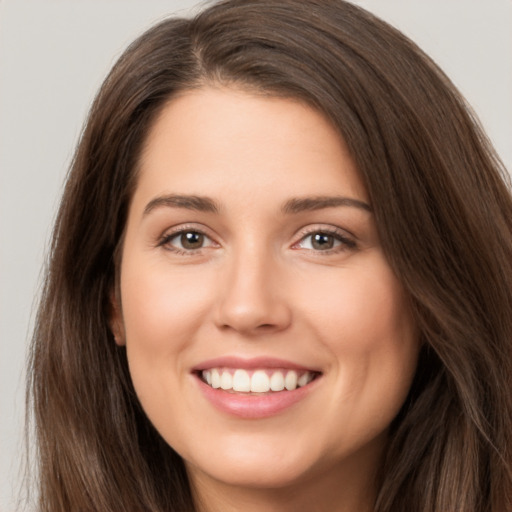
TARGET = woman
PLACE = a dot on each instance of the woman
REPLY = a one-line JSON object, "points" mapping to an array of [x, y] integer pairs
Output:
{"points": [[280, 279]]}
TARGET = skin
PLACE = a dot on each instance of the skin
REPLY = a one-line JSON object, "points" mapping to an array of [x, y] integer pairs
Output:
{"points": [[258, 286]]}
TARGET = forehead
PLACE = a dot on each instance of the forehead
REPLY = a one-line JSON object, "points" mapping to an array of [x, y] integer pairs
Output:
{"points": [[215, 139]]}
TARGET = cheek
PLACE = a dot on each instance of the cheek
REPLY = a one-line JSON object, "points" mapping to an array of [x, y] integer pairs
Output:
{"points": [[162, 312], [160, 308], [363, 320], [362, 311]]}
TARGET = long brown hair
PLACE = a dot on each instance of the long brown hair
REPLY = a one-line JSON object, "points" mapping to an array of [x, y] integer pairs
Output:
{"points": [[443, 212]]}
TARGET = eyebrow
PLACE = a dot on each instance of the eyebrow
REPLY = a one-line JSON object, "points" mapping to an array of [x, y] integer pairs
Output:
{"points": [[294, 205], [301, 204], [198, 203]]}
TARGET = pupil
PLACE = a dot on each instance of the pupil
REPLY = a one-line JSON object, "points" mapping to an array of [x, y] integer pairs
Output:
{"points": [[192, 240], [322, 241]]}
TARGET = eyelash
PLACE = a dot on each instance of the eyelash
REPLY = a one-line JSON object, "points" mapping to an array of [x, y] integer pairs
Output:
{"points": [[345, 243]]}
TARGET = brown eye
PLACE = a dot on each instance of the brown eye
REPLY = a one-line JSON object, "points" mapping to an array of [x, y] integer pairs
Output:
{"points": [[322, 241], [186, 241], [326, 241], [191, 240]]}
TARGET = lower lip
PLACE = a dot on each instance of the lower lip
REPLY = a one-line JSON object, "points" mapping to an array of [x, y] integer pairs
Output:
{"points": [[254, 406]]}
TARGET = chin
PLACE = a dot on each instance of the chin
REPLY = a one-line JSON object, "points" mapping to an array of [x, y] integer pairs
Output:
{"points": [[252, 463], [256, 474]]}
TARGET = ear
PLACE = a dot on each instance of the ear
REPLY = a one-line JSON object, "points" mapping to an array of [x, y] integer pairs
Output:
{"points": [[115, 318]]}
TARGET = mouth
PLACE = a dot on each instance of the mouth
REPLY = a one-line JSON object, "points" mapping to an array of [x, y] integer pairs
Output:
{"points": [[262, 380], [254, 388]]}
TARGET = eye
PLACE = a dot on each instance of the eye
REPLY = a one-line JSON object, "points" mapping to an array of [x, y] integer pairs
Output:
{"points": [[186, 241], [324, 240]]}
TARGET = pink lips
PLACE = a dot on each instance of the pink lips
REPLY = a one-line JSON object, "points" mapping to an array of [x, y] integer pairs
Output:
{"points": [[250, 364], [252, 406]]}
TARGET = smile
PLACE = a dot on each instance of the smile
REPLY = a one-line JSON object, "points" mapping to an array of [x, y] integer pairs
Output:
{"points": [[255, 388], [256, 381]]}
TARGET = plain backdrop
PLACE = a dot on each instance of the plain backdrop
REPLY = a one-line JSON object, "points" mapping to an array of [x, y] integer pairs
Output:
{"points": [[54, 55]]}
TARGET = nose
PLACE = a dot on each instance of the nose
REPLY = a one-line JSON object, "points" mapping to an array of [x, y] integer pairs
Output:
{"points": [[252, 296]]}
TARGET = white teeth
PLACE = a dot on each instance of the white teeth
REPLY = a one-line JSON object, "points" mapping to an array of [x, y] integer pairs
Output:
{"points": [[241, 381], [303, 379], [215, 379], [226, 380], [277, 382], [261, 381], [290, 381]]}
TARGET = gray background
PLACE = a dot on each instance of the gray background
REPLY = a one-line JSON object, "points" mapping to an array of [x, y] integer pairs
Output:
{"points": [[53, 57]]}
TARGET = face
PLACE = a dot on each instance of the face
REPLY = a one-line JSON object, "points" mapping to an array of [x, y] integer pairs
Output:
{"points": [[267, 338]]}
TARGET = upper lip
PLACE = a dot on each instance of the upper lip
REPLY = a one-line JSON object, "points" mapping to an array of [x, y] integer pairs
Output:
{"points": [[252, 363]]}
